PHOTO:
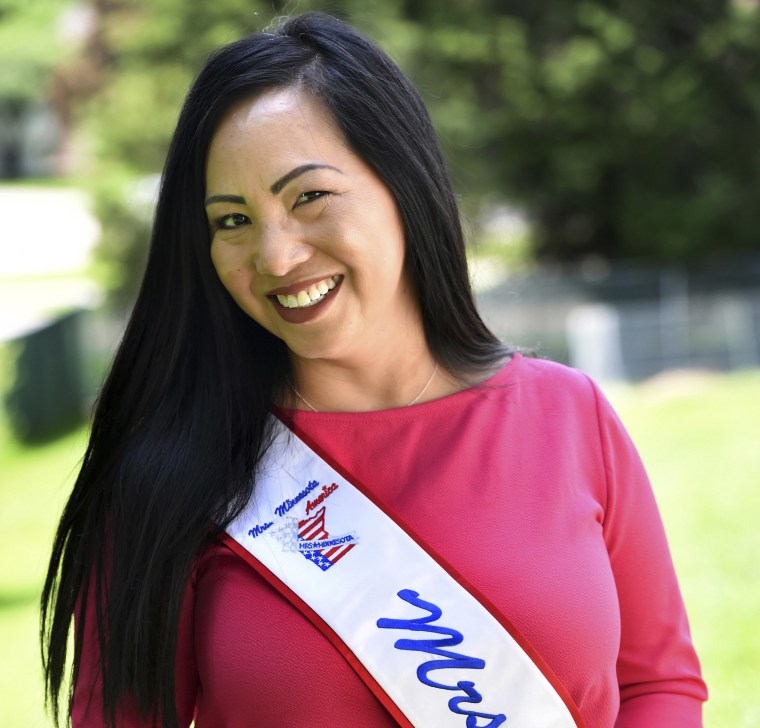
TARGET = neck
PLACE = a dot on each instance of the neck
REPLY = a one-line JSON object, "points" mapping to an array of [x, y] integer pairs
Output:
{"points": [[326, 386]]}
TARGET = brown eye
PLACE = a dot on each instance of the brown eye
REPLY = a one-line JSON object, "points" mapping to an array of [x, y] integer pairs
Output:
{"points": [[306, 197], [232, 222]]}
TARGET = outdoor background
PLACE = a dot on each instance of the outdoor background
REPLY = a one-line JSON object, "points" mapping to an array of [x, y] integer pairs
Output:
{"points": [[607, 160]]}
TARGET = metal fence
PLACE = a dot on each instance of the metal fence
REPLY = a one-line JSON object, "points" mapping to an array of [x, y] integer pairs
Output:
{"points": [[629, 323]]}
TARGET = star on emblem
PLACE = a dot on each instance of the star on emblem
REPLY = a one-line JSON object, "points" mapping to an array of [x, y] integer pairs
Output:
{"points": [[287, 534]]}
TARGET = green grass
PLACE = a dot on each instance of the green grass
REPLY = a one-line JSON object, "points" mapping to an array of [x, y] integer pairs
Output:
{"points": [[33, 486], [698, 437]]}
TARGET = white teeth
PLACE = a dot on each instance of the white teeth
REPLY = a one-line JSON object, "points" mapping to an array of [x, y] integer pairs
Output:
{"points": [[313, 295]]}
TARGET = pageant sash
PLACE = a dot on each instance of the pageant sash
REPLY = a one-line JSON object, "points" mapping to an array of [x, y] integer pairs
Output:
{"points": [[434, 654]]}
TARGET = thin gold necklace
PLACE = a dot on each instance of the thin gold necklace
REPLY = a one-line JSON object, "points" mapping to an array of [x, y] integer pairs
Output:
{"points": [[409, 404]]}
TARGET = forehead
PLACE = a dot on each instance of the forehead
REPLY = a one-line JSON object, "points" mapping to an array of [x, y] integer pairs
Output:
{"points": [[280, 122]]}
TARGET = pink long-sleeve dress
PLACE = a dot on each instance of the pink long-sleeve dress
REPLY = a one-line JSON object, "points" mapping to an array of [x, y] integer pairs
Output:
{"points": [[530, 487]]}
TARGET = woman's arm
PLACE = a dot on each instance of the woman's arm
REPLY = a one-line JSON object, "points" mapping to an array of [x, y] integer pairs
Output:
{"points": [[658, 670]]}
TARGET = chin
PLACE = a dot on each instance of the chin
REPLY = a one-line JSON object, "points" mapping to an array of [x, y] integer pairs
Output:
{"points": [[327, 343], [316, 353]]}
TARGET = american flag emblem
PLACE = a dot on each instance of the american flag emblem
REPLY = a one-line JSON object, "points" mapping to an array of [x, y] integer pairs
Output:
{"points": [[311, 531]]}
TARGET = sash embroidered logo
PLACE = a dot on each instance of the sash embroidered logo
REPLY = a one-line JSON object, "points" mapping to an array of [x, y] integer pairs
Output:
{"points": [[308, 536], [311, 539], [451, 638]]}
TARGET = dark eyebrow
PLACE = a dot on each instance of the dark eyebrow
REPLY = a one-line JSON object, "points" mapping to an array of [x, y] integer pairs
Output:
{"points": [[225, 198], [297, 172], [276, 187]]}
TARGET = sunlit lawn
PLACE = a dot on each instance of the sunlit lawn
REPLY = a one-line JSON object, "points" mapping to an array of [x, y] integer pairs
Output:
{"points": [[699, 438], [32, 491]]}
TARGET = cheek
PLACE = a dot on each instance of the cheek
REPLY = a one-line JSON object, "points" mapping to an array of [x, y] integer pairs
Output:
{"points": [[227, 265], [391, 259], [392, 251], [235, 277]]}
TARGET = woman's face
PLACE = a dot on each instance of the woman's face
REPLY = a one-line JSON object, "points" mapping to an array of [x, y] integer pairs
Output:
{"points": [[305, 236]]}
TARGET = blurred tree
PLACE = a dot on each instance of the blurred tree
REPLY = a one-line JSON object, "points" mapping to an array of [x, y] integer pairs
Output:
{"points": [[29, 49], [625, 129]]}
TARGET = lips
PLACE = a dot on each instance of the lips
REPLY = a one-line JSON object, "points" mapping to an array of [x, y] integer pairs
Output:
{"points": [[304, 301]]}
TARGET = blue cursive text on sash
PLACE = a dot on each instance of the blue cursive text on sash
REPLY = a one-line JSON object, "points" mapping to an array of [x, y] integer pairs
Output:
{"points": [[450, 659], [289, 503], [259, 528]]}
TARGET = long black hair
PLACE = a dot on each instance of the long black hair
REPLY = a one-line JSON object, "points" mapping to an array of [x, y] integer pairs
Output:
{"points": [[183, 417]]}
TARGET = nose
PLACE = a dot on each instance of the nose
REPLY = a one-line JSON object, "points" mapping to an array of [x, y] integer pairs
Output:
{"points": [[279, 250]]}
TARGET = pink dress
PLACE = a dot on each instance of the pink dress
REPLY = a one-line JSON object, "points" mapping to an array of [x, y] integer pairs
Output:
{"points": [[531, 488]]}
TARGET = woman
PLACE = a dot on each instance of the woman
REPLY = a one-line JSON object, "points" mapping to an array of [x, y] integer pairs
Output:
{"points": [[307, 260]]}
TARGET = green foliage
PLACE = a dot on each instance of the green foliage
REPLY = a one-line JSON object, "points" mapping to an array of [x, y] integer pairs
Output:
{"points": [[625, 131], [29, 48], [154, 49], [125, 212]]}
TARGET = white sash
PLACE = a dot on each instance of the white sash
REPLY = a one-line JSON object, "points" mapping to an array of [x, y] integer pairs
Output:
{"points": [[439, 654]]}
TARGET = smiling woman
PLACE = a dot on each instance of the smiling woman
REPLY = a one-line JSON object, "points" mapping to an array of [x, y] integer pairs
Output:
{"points": [[305, 407], [313, 213]]}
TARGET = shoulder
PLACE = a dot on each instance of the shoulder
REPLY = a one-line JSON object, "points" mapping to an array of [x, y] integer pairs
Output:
{"points": [[550, 379], [534, 393], [552, 395], [549, 371]]}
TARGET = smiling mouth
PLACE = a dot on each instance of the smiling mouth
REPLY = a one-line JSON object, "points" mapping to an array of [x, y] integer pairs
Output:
{"points": [[314, 294]]}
